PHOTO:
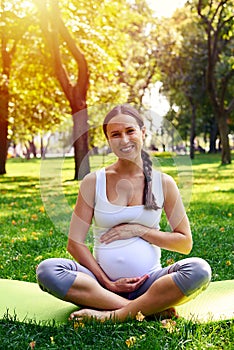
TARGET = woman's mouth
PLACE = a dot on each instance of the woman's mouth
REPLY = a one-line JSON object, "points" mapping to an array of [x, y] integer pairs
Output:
{"points": [[126, 149]]}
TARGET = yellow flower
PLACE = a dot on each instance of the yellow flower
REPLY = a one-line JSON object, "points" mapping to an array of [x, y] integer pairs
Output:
{"points": [[35, 234], [130, 341], [222, 229], [39, 257], [42, 209], [170, 325], [139, 316], [228, 263], [13, 222], [52, 340], [78, 324]]}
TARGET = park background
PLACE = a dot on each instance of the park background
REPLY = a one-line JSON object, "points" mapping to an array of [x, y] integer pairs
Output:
{"points": [[63, 64]]}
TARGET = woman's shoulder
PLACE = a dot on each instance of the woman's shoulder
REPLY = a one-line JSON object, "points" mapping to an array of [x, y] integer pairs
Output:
{"points": [[90, 179], [168, 179], [87, 185], [87, 188], [164, 177], [169, 185]]}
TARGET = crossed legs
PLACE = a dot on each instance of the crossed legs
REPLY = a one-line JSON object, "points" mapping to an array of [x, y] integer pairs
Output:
{"points": [[170, 286], [85, 291]]}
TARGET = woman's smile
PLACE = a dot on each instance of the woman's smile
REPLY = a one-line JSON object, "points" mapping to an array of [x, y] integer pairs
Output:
{"points": [[127, 149]]}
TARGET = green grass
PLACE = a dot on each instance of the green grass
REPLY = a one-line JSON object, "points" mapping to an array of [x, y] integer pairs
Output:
{"points": [[28, 236]]}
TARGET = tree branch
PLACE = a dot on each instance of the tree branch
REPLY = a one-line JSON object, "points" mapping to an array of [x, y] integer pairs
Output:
{"points": [[83, 75], [230, 107], [52, 25], [60, 70]]}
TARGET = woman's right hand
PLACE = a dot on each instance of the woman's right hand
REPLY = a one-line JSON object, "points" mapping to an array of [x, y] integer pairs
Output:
{"points": [[127, 285]]}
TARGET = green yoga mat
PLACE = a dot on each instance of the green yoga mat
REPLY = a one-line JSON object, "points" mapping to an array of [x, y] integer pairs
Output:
{"points": [[25, 301]]}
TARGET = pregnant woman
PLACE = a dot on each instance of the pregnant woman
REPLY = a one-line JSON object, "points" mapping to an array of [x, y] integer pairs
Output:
{"points": [[124, 203]]}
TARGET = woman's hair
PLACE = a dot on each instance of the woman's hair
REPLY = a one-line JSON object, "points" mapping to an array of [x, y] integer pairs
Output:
{"points": [[148, 196]]}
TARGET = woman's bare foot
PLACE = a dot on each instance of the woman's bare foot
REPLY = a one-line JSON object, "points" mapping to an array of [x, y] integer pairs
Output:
{"points": [[168, 313], [87, 314], [102, 316]]}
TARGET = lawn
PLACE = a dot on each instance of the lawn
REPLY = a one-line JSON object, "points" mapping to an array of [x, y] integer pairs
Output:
{"points": [[33, 229]]}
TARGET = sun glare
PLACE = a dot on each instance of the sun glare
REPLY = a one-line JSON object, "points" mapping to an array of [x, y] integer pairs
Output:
{"points": [[165, 8], [21, 7]]}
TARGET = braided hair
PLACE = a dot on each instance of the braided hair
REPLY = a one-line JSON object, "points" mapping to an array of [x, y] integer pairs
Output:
{"points": [[148, 196]]}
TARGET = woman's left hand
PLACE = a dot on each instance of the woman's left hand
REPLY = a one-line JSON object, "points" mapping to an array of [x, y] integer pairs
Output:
{"points": [[123, 231]]}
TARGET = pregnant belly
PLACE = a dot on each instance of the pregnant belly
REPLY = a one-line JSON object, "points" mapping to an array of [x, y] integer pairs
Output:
{"points": [[130, 258]]}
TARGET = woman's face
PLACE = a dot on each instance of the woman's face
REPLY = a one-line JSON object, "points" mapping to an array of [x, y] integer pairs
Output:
{"points": [[125, 137]]}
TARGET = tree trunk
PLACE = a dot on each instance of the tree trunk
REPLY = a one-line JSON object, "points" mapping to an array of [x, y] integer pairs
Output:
{"points": [[4, 97], [213, 137], [80, 138], [3, 146], [32, 148], [192, 131], [223, 132]]}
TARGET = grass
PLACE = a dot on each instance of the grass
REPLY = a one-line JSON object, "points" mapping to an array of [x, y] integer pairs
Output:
{"points": [[28, 236]]}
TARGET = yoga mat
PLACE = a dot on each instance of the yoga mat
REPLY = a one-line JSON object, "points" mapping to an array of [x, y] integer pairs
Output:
{"points": [[25, 301], [214, 304]]}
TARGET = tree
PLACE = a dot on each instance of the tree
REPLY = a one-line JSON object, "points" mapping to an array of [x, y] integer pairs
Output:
{"points": [[139, 66], [181, 62], [12, 29], [110, 27], [218, 20], [52, 25]]}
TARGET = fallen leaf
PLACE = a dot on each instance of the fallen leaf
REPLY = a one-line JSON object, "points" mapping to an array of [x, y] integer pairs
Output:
{"points": [[170, 261], [32, 344], [139, 316], [34, 217]]}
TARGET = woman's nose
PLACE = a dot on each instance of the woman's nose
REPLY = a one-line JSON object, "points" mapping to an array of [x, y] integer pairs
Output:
{"points": [[124, 138]]}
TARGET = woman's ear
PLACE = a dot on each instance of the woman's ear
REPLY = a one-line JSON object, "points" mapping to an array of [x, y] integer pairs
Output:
{"points": [[143, 130]]}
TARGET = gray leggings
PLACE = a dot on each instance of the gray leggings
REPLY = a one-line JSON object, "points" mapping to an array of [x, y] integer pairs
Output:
{"points": [[191, 275]]}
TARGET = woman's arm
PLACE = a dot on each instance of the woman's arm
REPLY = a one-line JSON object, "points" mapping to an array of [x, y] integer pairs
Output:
{"points": [[180, 237], [179, 240], [79, 226]]}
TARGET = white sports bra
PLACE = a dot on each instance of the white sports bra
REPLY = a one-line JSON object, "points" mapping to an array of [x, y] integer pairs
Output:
{"points": [[129, 257]]}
